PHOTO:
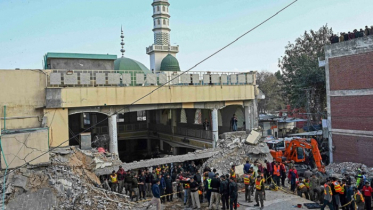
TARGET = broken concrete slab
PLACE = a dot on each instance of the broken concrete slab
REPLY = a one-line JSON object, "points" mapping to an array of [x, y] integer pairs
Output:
{"points": [[19, 181], [253, 137], [62, 151]]}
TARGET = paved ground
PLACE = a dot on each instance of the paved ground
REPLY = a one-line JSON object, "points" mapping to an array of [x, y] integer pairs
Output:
{"points": [[275, 200]]}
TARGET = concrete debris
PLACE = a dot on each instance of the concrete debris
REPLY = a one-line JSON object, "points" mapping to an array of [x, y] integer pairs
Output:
{"points": [[233, 150], [64, 185], [349, 168]]}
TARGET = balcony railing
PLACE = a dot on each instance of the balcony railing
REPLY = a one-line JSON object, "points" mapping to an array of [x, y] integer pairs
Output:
{"points": [[151, 48], [89, 78]]}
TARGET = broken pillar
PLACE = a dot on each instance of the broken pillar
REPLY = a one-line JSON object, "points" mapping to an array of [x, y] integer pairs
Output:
{"points": [[113, 146], [249, 121], [215, 131]]}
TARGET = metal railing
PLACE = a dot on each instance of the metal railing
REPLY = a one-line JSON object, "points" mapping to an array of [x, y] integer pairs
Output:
{"points": [[89, 78], [183, 131], [131, 127]]}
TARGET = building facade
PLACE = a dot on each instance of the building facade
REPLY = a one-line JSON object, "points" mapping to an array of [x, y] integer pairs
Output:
{"points": [[349, 83]]}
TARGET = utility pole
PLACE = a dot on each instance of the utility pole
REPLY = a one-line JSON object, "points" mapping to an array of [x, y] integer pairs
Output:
{"points": [[308, 107]]}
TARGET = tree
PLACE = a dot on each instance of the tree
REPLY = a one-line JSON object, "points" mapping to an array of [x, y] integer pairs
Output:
{"points": [[300, 71], [269, 84]]}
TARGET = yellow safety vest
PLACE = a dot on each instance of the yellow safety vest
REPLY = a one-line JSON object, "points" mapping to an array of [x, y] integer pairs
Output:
{"points": [[301, 185], [187, 186], [158, 170], [337, 187], [246, 179], [343, 189], [361, 196], [258, 184], [199, 192], [233, 173], [114, 178], [209, 184], [330, 190]]}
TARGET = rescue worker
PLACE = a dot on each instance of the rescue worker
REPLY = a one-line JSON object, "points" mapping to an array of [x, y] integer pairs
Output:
{"points": [[259, 193], [336, 189], [359, 179], [302, 189], [120, 174], [233, 172], [307, 183], [314, 184], [114, 181], [268, 171], [246, 180], [359, 199], [224, 192], [276, 174], [208, 189], [158, 170], [342, 194], [233, 194], [367, 193], [328, 195]]}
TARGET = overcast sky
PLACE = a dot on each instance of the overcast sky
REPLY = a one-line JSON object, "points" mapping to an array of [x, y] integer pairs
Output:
{"points": [[29, 29]]}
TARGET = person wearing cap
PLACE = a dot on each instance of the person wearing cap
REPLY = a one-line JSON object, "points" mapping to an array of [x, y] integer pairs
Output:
{"points": [[328, 195], [314, 184], [359, 199], [233, 193], [367, 193], [259, 193], [224, 193], [194, 193], [359, 180]]}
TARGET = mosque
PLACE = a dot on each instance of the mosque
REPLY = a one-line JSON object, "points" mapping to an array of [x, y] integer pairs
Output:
{"points": [[135, 112]]}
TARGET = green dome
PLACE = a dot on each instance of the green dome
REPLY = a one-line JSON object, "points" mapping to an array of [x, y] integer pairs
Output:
{"points": [[170, 63], [124, 63]]}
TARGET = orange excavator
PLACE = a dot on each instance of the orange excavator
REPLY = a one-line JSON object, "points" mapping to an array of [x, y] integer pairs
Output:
{"points": [[295, 150]]}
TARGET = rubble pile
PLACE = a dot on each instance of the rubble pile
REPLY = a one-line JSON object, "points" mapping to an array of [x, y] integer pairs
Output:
{"points": [[71, 179], [235, 148], [349, 168]]}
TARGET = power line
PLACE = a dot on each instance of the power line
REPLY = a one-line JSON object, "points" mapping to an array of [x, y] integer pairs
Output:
{"points": [[116, 112]]}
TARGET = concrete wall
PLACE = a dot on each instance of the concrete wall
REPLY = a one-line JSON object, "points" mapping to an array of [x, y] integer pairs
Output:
{"points": [[22, 147], [349, 88], [103, 96], [23, 93], [80, 64], [58, 123]]}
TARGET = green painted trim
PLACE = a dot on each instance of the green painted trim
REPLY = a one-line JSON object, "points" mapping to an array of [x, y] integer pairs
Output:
{"points": [[80, 56], [4, 118], [160, 3]]}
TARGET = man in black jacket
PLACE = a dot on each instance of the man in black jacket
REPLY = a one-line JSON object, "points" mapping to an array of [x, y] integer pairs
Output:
{"points": [[224, 192], [141, 184], [233, 194], [194, 193], [197, 177], [148, 183], [168, 188], [215, 190], [128, 183]]}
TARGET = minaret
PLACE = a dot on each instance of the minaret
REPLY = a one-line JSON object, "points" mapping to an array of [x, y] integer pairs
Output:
{"points": [[122, 43], [161, 47]]}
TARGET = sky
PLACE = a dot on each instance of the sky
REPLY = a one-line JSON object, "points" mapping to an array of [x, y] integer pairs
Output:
{"points": [[30, 29]]}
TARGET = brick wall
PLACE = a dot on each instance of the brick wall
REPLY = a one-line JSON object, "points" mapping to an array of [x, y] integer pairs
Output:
{"points": [[352, 112], [353, 149], [351, 72]]}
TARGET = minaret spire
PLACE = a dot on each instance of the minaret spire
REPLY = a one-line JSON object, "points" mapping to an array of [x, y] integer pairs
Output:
{"points": [[122, 43]]}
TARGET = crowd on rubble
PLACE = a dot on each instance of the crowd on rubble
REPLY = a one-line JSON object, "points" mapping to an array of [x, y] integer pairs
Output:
{"points": [[184, 181], [351, 35]]}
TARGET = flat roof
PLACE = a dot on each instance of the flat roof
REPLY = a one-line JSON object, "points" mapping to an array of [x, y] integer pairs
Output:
{"points": [[80, 56]]}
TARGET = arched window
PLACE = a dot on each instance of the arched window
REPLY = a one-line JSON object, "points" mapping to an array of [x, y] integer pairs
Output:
{"points": [[164, 21], [158, 8], [159, 22]]}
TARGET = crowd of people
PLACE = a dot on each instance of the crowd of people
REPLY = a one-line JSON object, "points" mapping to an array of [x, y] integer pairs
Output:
{"points": [[185, 182], [351, 35]]}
